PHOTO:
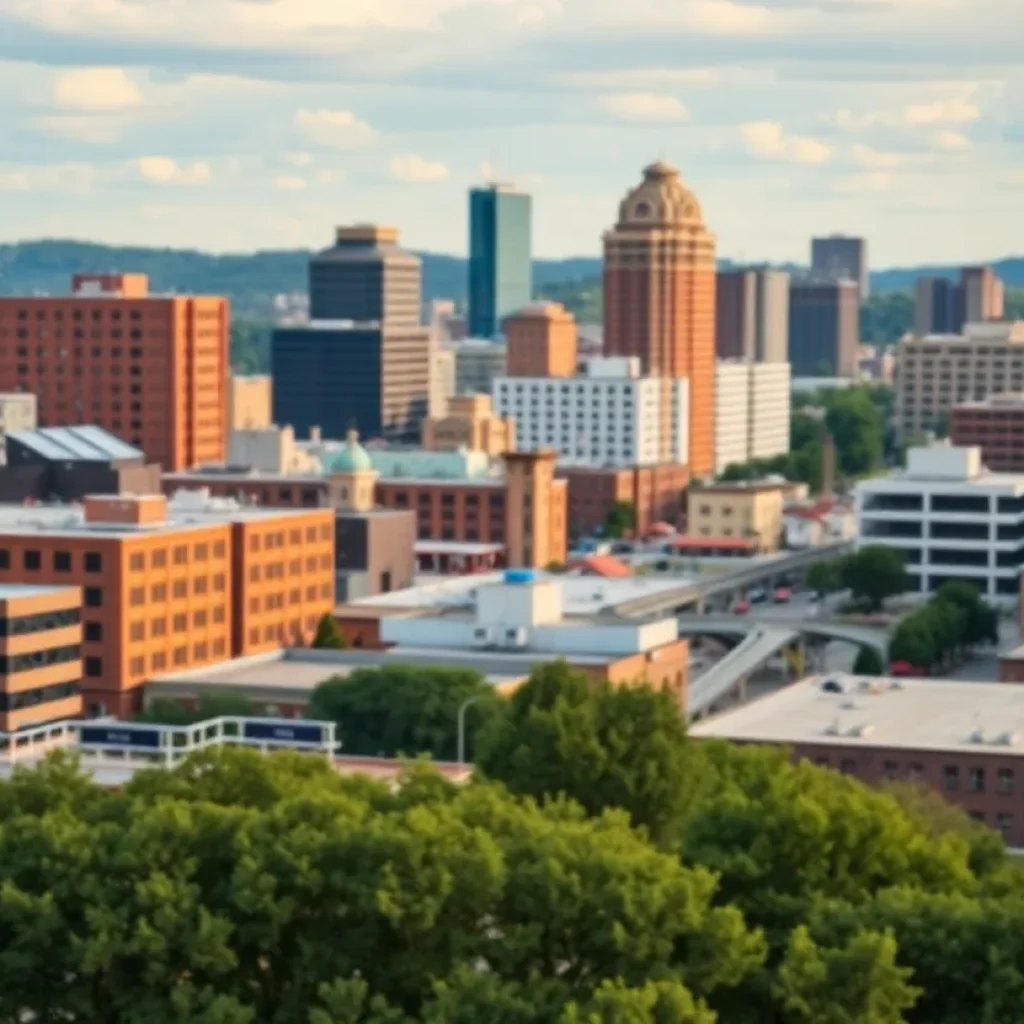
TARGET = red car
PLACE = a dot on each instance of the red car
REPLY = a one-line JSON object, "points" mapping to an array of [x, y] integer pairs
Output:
{"points": [[741, 608]]}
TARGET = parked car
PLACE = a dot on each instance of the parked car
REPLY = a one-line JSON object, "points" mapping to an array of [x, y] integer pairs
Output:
{"points": [[782, 595], [741, 608], [756, 595]]}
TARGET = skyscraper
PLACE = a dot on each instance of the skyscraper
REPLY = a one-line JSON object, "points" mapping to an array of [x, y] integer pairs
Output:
{"points": [[500, 270], [659, 295], [824, 328], [944, 307], [363, 360], [752, 315], [840, 257]]}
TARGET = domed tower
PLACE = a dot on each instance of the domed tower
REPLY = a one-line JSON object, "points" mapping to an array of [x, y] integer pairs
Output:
{"points": [[352, 477], [659, 295]]}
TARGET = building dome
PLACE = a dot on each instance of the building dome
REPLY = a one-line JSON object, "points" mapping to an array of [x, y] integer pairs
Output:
{"points": [[353, 458], [660, 200]]}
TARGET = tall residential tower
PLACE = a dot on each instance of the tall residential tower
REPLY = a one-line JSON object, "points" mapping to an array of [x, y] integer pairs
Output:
{"points": [[659, 295], [500, 274]]}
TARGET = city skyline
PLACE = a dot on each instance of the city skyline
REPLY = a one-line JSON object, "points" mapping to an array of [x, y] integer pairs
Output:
{"points": [[789, 120]]}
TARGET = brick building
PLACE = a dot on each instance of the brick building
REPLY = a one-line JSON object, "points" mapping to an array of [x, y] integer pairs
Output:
{"points": [[151, 369], [964, 740], [173, 585], [996, 426]]}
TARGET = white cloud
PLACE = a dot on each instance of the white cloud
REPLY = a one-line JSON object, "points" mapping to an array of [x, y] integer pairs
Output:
{"points": [[876, 159], [952, 141], [952, 111], [289, 183], [96, 90], [74, 178], [644, 106], [410, 167], [722, 16], [334, 129], [299, 159], [162, 170], [769, 140]]}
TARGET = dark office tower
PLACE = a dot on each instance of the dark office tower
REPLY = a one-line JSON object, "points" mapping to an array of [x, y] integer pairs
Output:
{"points": [[363, 360], [824, 328], [500, 269], [840, 258], [752, 315], [938, 306]]}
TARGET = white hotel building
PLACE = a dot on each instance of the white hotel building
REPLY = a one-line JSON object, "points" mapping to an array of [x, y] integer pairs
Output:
{"points": [[609, 415], [952, 519], [752, 411]]}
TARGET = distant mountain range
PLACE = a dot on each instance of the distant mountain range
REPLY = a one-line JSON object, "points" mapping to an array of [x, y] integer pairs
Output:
{"points": [[251, 280]]}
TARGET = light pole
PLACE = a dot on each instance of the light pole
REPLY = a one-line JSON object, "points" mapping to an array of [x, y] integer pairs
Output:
{"points": [[462, 727]]}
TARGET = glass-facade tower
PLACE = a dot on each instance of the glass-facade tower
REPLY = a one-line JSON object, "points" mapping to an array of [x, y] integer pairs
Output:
{"points": [[500, 275]]}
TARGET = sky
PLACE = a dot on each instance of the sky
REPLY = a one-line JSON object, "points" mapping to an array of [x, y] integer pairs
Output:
{"points": [[232, 125]]}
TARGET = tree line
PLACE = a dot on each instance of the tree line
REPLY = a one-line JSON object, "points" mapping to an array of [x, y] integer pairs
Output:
{"points": [[600, 868]]}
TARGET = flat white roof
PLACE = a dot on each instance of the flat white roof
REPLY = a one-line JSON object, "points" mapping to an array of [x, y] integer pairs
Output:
{"points": [[455, 547], [581, 595], [906, 714], [11, 591]]}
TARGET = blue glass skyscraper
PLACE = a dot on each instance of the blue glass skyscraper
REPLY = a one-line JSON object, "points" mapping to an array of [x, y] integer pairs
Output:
{"points": [[500, 274]]}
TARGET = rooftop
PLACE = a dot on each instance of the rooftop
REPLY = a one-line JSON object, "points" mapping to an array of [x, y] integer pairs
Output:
{"points": [[1005, 400], [13, 591], [75, 444], [905, 714]]}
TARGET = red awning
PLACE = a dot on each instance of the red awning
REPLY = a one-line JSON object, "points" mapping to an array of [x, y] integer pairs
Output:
{"points": [[716, 543]]}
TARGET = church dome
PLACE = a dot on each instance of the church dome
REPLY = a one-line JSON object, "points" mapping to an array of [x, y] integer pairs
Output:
{"points": [[353, 458], [660, 200]]}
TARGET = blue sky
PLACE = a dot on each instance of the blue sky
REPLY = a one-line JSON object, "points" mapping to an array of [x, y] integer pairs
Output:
{"points": [[237, 124]]}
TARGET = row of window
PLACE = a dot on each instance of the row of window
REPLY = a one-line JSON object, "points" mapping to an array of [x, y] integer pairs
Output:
{"points": [[40, 695], [952, 775], [12, 663], [40, 623], [276, 570], [271, 541]]}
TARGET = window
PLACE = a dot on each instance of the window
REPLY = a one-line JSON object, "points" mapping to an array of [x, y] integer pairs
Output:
{"points": [[202, 552], [915, 772], [950, 778], [180, 623], [218, 582], [93, 667], [218, 613], [1005, 780], [254, 574], [180, 655], [199, 652], [5, 558], [218, 549], [159, 592], [137, 631], [93, 632], [159, 661], [33, 560], [890, 769], [62, 561], [137, 562], [976, 780], [180, 554], [180, 588], [1004, 822], [93, 597], [137, 596], [254, 542], [158, 627], [159, 559], [93, 561], [137, 666], [199, 619]]}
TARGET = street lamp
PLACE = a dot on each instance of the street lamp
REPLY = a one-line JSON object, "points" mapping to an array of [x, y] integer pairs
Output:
{"points": [[463, 707]]}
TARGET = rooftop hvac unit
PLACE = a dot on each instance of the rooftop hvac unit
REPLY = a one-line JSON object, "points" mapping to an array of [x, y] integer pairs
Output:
{"points": [[978, 736], [865, 729], [1007, 739], [833, 729]]}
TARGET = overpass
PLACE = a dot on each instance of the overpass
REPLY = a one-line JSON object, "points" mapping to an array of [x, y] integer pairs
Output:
{"points": [[824, 629], [730, 582]]}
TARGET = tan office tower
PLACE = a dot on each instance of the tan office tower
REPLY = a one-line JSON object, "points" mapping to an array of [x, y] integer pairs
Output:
{"points": [[541, 341], [659, 295]]}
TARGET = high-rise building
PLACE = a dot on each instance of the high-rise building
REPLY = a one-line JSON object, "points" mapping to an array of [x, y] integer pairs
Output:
{"points": [[477, 363], [541, 341], [945, 307], [752, 315], [996, 426], [841, 258], [659, 295], [151, 369], [752, 411], [500, 268], [824, 328], [363, 361]]}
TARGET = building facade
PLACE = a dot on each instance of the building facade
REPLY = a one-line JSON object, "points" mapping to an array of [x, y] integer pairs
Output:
{"points": [[172, 585], [363, 359], [477, 363], [982, 294], [752, 412], [749, 510], [943, 306], [40, 655], [607, 416], [659, 296], [935, 372], [996, 426], [18, 412], [541, 341], [470, 424], [500, 257], [841, 258], [824, 328], [250, 401], [152, 370], [951, 519], [752, 315]]}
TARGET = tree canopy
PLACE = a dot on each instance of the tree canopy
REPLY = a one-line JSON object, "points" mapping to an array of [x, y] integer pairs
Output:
{"points": [[328, 633], [954, 620], [875, 572]]}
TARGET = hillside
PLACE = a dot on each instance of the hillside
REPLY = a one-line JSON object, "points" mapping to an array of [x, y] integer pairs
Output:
{"points": [[251, 279]]}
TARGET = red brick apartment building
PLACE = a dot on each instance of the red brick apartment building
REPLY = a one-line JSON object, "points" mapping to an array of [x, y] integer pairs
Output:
{"points": [[151, 369], [996, 426]]}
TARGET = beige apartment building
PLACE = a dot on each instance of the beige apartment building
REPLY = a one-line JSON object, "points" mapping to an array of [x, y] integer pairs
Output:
{"points": [[470, 424], [934, 372], [750, 511], [249, 402]]}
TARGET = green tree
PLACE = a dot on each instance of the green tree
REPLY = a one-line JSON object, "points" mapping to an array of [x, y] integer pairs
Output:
{"points": [[563, 734], [874, 573], [859, 984], [913, 643], [868, 662], [328, 633], [981, 620], [621, 519], [826, 577], [856, 424], [404, 709], [169, 711]]}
